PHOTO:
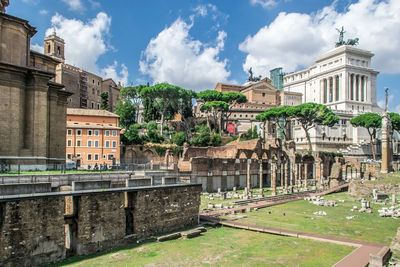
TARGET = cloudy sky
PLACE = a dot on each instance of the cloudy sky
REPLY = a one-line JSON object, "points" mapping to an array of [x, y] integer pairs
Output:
{"points": [[197, 43]]}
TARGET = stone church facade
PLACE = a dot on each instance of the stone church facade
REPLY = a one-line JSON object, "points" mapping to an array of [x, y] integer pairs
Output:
{"points": [[32, 104]]}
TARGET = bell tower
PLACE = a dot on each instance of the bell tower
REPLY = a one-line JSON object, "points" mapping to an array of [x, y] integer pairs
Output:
{"points": [[54, 46]]}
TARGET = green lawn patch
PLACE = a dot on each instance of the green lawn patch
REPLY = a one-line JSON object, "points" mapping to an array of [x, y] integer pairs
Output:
{"points": [[299, 216], [221, 246]]}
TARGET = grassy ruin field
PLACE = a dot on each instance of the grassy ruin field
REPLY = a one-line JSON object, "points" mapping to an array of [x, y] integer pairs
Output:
{"points": [[216, 200], [299, 216], [221, 246]]}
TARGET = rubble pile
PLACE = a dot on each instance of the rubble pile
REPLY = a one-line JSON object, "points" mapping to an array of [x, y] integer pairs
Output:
{"points": [[320, 201], [392, 211]]}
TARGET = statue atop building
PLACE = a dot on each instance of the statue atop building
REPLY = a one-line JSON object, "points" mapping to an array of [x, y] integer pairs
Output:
{"points": [[251, 77], [341, 37], [341, 41], [3, 5]]}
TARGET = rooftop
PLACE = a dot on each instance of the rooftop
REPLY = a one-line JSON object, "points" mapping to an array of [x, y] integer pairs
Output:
{"points": [[90, 112]]}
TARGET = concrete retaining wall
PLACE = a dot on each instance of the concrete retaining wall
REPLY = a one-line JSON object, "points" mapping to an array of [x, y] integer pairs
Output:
{"points": [[145, 181], [17, 189], [90, 185]]}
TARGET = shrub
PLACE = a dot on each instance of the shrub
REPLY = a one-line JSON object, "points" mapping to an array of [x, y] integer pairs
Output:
{"points": [[179, 138], [215, 140]]}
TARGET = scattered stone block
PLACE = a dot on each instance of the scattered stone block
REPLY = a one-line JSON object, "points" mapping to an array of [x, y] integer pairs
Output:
{"points": [[190, 233], [201, 228], [169, 237]]}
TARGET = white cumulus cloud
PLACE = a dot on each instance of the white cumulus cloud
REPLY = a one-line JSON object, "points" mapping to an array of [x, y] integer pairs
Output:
{"points": [[74, 4], [111, 71], [43, 12], [85, 42], [264, 3], [173, 56], [37, 48], [294, 40]]}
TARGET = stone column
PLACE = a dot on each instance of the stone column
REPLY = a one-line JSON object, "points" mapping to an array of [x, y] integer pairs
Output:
{"points": [[387, 152], [282, 174], [291, 174], [273, 178], [300, 174], [248, 175], [260, 173], [286, 176], [334, 88], [305, 175], [354, 87], [296, 173], [322, 178]]}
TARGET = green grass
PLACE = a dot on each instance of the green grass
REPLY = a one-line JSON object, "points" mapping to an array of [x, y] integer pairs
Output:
{"points": [[390, 178], [221, 246], [299, 216]]}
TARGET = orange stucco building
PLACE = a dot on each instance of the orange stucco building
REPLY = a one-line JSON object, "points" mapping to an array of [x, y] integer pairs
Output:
{"points": [[93, 136]]}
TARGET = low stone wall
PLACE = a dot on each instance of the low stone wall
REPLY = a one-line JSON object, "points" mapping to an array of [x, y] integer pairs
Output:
{"points": [[90, 185], [157, 211], [145, 181], [15, 189], [46, 228], [101, 222], [358, 188], [58, 180], [32, 232]]}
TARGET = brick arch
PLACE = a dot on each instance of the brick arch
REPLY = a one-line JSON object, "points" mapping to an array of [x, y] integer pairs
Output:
{"points": [[242, 155], [148, 154], [264, 155]]}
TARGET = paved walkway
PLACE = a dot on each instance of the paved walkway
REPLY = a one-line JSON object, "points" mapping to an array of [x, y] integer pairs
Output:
{"points": [[359, 257]]}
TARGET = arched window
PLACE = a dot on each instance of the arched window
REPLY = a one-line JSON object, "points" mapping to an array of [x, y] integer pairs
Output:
{"points": [[48, 48], [58, 51]]}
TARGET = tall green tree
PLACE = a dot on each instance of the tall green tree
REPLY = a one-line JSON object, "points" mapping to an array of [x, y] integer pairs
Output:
{"points": [[104, 101], [184, 107], [132, 94], [371, 122], [311, 114], [232, 98], [163, 95], [215, 109], [210, 95], [277, 115], [395, 120], [127, 113]]}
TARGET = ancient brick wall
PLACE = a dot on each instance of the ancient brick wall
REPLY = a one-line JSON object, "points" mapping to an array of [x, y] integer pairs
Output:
{"points": [[45, 230], [159, 211], [357, 188], [101, 222], [31, 232]]}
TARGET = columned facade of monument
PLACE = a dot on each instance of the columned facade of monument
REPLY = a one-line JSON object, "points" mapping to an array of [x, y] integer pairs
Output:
{"points": [[343, 80]]}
